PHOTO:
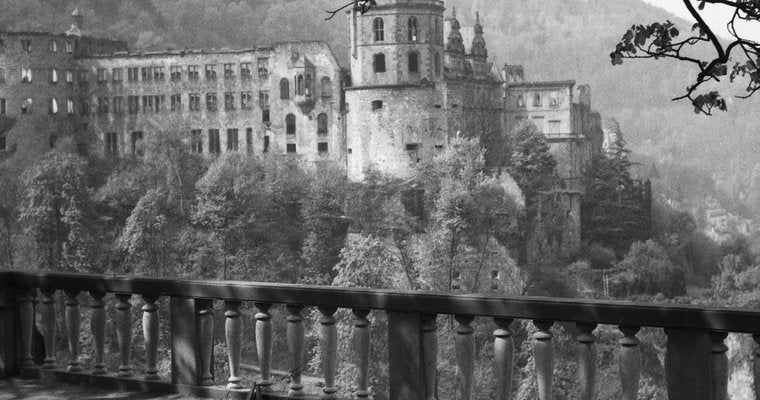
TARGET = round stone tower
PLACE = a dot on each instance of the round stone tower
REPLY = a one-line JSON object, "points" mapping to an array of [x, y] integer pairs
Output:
{"points": [[395, 115]]}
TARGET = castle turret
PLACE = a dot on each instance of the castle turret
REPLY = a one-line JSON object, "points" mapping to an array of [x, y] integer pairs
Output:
{"points": [[77, 23], [395, 98], [455, 52], [478, 56]]}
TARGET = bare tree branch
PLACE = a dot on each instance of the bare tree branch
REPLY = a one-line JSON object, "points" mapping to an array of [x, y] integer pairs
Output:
{"points": [[360, 6]]}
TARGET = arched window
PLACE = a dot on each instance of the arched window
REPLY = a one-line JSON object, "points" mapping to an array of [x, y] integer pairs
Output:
{"points": [[284, 89], [378, 27], [414, 63], [326, 87], [299, 81], [437, 63], [438, 32], [322, 124], [308, 85], [378, 62], [412, 29], [290, 124]]}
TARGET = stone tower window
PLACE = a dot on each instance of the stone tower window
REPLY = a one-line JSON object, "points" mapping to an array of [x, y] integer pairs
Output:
{"points": [[291, 148], [438, 32], [378, 27], [378, 62], [290, 124], [412, 29], [308, 85], [214, 146], [299, 84], [284, 89], [377, 105], [437, 63], [322, 124], [326, 87], [414, 63]]}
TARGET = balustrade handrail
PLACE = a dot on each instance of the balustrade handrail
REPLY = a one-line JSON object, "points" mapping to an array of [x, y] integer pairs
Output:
{"points": [[687, 317]]}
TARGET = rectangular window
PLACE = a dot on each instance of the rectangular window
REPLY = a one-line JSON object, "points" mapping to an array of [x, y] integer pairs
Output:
{"points": [[264, 99], [146, 73], [53, 106], [246, 100], [229, 101], [53, 76], [194, 102], [2, 75], [116, 75], [159, 102], [176, 102], [102, 75], [249, 140], [26, 106], [3, 143], [192, 72], [377, 104], [263, 64], [266, 144], [539, 122], [175, 73], [322, 147], [147, 104], [118, 105], [3, 109], [132, 74], [291, 148], [137, 136], [26, 75], [103, 105], [213, 141], [69, 47], [245, 71], [211, 103], [537, 100], [112, 143], [52, 141], [210, 72], [69, 76], [84, 77], [158, 74], [229, 72], [265, 117], [196, 141], [133, 104], [84, 106], [70, 106], [26, 45], [52, 46], [232, 140]]}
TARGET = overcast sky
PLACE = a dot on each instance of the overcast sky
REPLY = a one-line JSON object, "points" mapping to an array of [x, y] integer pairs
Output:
{"points": [[715, 15]]}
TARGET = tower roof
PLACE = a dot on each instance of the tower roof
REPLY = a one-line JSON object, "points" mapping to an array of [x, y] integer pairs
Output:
{"points": [[478, 42], [455, 43], [76, 12]]}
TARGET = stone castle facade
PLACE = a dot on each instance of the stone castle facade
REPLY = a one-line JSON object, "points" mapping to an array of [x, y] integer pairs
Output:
{"points": [[416, 79]]}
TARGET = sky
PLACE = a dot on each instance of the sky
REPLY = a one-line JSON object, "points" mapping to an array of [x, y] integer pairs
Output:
{"points": [[716, 17]]}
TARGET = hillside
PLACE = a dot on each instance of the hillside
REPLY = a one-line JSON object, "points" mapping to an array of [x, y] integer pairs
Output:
{"points": [[553, 39]]}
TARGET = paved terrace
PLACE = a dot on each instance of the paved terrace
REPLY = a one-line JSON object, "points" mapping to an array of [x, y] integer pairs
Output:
{"points": [[696, 359]]}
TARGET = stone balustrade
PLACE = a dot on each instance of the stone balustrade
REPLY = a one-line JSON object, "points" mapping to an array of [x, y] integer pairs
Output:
{"points": [[696, 359]]}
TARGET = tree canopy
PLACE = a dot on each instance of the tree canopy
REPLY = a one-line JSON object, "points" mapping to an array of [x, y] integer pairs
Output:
{"points": [[715, 59]]}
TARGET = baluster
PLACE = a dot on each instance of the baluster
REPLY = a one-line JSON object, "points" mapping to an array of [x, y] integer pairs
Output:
{"points": [[264, 344], [150, 334], [26, 319], [362, 349], [630, 362], [233, 330], [504, 353], [73, 326], [296, 347], [47, 310], [124, 332], [98, 327], [430, 355], [465, 350], [719, 370], [206, 340], [757, 365], [587, 360], [328, 338], [543, 355]]}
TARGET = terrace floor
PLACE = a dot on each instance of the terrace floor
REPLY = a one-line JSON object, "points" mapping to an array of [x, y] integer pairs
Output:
{"points": [[37, 389]]}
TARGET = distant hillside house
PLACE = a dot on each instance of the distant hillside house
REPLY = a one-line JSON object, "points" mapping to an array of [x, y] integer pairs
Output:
{"points": [[416, 78]]}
